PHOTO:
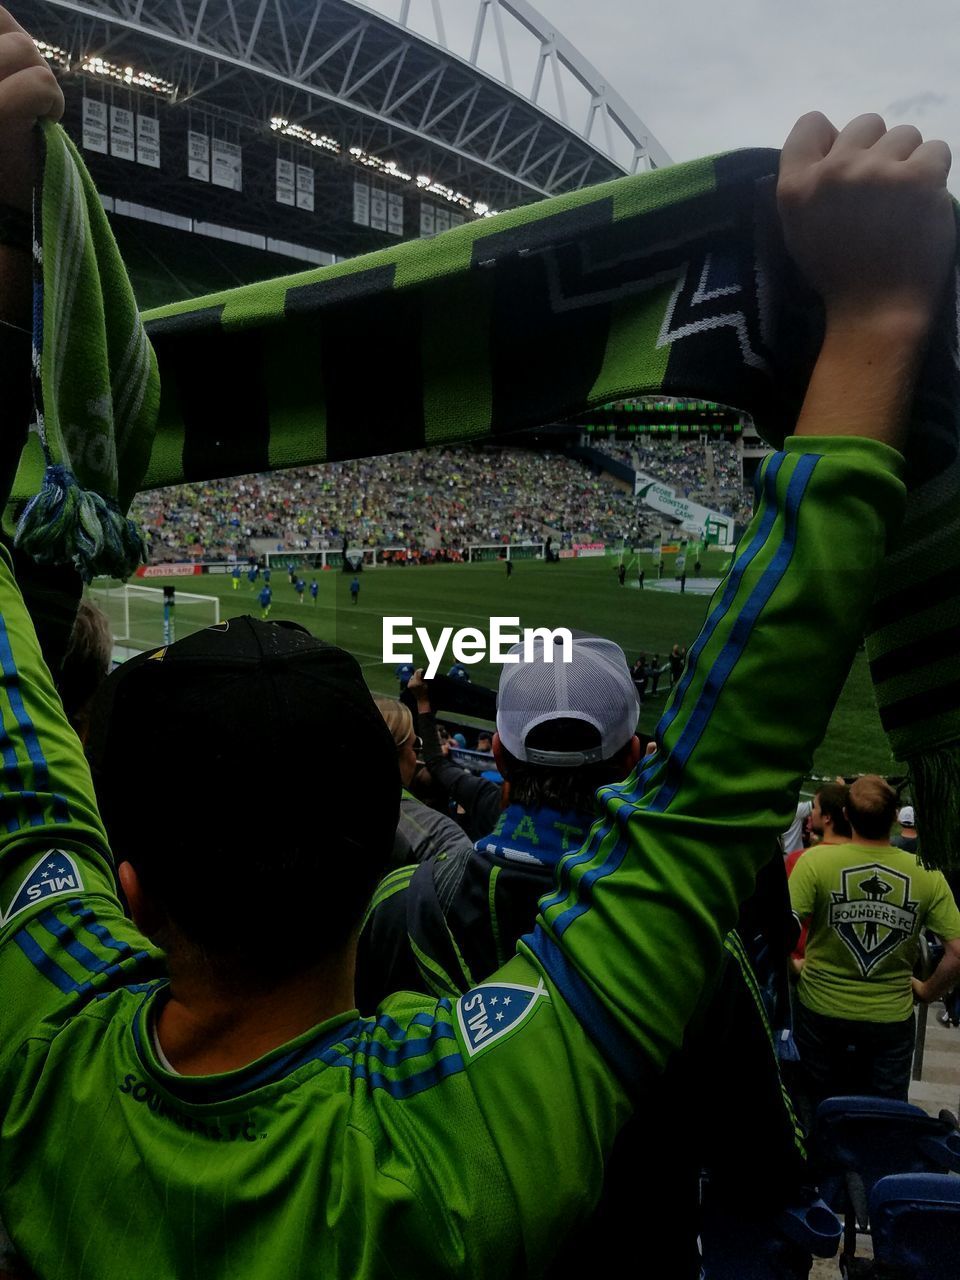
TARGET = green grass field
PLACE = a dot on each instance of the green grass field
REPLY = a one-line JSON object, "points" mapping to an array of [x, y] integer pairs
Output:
{"points": [[581, 594]]}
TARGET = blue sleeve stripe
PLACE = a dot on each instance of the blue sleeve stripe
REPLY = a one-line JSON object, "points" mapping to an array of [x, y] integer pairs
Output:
{"points": [[68, 940], [736, 643], [730, 589], [28, 732], [587, 1009], [392, 1056], [12, 777], [408, 1086], [62, 980], [19, 805], [43, 964], [87, 919], [568, 864], [585, 888]]}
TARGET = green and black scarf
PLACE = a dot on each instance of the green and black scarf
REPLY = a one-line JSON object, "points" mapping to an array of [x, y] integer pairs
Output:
{"points": [[671, 282]]}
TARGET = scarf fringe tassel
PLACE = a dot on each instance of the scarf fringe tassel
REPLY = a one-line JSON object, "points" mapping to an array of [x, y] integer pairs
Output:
{"points": [[64, 523], [935, 776]]}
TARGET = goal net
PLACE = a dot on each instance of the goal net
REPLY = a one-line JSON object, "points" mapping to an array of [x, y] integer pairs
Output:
{"points": [[486, 551], [137, 613]]}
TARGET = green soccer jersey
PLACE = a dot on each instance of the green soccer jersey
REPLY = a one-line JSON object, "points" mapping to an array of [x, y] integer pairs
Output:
{"points": [[866, 907], [441, 1137]]}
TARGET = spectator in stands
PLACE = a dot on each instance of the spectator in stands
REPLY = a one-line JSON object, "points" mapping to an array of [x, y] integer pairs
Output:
{"points": [[86, 664], [563, 732], [199, 1076], [478, 797], [435, 502], [828, 825], [421, 831], [791, 840], [866, 904], [828, 814], [907, 837]]}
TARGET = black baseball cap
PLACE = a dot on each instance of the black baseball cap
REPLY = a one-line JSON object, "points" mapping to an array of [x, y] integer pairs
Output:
{"points": [[246, 761]]}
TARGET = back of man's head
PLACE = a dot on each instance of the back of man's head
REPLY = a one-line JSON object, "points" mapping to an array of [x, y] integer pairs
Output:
{"points": [[871, 807], [832, 800], [187, 743], [566, 728]]}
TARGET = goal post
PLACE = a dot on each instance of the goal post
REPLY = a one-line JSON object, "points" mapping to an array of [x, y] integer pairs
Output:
{"points": [[136, 613], [477, 552]]}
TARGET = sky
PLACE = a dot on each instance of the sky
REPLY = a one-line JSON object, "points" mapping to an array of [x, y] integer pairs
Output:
{"points": [[707, 77]]}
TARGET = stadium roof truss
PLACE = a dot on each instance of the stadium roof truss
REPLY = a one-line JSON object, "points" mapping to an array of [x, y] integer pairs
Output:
{"points": [[343, 69]]}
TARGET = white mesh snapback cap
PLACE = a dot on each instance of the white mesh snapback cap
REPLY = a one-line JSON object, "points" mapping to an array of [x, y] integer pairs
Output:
{"points": [[595, 687]]}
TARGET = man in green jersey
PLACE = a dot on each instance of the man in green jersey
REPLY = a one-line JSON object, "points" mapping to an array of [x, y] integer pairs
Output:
{"points": [[238, 1118], [867, 904]]}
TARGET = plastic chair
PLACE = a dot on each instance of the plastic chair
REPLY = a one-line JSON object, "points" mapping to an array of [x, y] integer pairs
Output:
{"points": [[915, 1224], [741, 1247], [858, 1141]]}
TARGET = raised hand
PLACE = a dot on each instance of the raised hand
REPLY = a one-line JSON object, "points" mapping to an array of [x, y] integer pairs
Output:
{"points": [[867, 217], [28, 92]]}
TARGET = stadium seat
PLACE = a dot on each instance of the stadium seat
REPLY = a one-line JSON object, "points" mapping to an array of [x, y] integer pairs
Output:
{"points": [[739, 1247], [915, 1221], [857, 1141]]}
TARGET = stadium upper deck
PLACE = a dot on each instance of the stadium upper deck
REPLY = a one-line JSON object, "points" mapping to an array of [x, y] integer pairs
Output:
{"points": [[325, 127]]}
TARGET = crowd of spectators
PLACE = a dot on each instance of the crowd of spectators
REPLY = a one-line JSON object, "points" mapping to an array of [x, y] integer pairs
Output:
{"points": [[707, 472], [440, 500]]}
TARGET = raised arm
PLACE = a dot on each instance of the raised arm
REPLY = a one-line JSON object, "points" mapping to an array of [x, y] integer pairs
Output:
{"points": [[54, 859], [636, 925]]}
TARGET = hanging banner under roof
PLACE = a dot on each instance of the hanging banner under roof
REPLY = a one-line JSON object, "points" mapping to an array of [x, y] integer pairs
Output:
{"points": [[198, 156], [305, 179], [361, 204], [95, 128], [395, 213], [122, 143], [286, 193], [226, 164], [148, 141], [378, 208]]}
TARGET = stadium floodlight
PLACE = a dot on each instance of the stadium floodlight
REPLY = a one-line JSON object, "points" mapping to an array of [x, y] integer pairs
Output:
{"points": [[387, 167], [53, 53], [94, 65], [313, 139]]}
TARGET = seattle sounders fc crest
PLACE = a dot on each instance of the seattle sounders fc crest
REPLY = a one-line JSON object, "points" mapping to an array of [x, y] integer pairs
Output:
{"points": [[487, 1013], [872, 912]]}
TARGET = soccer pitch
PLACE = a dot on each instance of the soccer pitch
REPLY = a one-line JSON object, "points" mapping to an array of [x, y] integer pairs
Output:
{"points": [[581, 594]]}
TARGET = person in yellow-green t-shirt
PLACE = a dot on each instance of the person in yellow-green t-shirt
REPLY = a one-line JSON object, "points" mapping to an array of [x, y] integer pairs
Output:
{"points": [[866, 904]]}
